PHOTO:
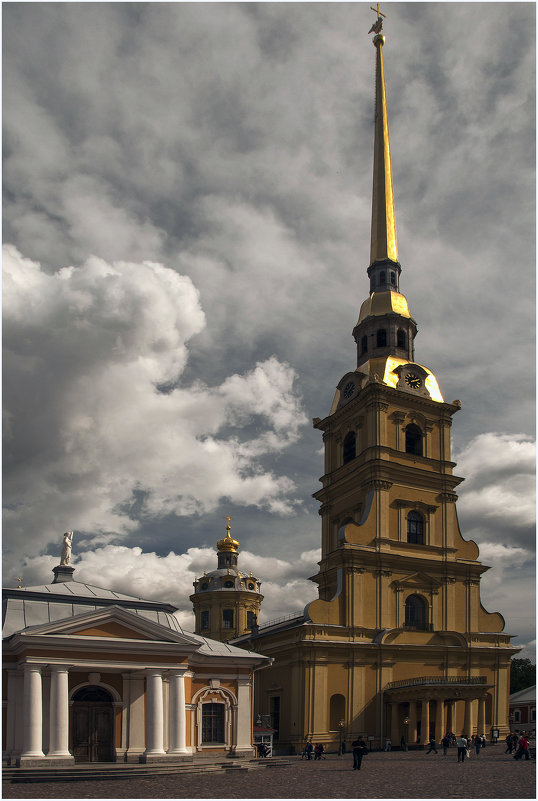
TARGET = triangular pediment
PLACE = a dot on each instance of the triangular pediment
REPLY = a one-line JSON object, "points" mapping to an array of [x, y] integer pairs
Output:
{"points": [[419, 580], [113, 622]]}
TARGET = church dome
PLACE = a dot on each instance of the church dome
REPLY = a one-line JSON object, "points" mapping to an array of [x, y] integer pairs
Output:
{"points": [[228, 543]]}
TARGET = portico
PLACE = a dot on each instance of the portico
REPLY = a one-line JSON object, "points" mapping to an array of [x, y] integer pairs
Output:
{"points": [[426, 707]]}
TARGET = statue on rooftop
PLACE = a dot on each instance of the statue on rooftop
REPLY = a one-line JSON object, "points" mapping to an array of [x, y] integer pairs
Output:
{"points": [[65, 557]]}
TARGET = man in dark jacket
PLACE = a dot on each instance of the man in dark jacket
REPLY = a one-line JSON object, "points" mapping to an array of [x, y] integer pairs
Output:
{"points": [[359, 750]]}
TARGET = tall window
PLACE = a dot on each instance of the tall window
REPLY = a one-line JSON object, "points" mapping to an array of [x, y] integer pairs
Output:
{"points": [[382, 278], [205, 619], [251, 619], [337, 711], [401, 338], [393, 278], [364, 344], [413, 439], [415, 528], [381, 338], [228, 618], [415, 612], [350, 447], [212, 723]]}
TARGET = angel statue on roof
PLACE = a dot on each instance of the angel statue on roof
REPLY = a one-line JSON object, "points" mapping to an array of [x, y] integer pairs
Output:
{"points": [[65, 557]]}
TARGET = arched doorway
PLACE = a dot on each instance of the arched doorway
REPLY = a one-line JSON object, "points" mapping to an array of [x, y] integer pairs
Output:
{"points": [[92, 725]]}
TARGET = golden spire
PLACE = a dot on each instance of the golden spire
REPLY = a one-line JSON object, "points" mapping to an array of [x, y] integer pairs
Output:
{"points": [[383, 242], [228, 543]]}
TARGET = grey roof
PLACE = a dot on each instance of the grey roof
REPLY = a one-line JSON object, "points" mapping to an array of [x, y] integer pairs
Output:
{"points": [[528, 695], [28, 607]]}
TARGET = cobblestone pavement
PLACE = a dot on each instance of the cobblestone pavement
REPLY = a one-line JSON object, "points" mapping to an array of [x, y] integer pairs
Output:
{"points": [[394, 775]]}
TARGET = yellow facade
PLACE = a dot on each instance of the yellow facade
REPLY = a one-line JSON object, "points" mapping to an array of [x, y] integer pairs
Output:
{"points": [[398, 644]]}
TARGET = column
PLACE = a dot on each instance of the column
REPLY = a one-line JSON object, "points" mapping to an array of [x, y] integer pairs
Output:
{"points": [[33, 714], [468, 725], [440, 729], [243, 723], [177, 731], [59, 712], [133, 696], [395, 723], [154, 713], [412, 729], [451, 716], [425, 722], [481, 726]]}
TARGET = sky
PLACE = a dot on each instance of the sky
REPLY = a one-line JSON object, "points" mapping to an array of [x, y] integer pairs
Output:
{"points": [[187, 202]]}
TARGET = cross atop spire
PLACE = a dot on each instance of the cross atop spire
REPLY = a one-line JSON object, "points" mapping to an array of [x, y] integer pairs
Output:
{"points": [[378, 24]]}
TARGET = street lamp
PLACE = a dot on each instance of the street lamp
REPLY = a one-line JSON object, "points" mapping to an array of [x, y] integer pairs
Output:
{"points": [[406, 735], [340, 731]]}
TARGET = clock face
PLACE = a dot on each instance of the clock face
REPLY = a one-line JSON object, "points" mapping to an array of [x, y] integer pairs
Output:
{"points": [[349, 389], [413, 380]]}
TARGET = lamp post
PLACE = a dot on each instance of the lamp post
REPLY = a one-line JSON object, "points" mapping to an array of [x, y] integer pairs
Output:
{"points": [[406, 734], [340, 732]]}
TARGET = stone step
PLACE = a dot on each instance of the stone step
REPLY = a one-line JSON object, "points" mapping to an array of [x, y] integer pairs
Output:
{"points": [[97, 771]]}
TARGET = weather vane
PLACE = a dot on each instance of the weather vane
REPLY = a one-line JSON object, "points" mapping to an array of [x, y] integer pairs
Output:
{"points": [[378, 24]]}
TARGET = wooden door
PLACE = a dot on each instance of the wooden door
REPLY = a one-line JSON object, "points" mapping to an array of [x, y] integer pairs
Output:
{"points": [[93, 732]]}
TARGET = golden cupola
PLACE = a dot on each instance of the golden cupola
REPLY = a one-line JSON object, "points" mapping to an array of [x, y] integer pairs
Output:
{"points": [[226, 602]]}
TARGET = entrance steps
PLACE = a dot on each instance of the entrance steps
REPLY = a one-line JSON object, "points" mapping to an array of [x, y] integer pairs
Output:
{"points": [[113, 770]]}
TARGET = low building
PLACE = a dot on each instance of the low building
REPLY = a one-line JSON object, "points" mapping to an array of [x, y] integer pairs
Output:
{"points": [[105, 677], [522, 707]]}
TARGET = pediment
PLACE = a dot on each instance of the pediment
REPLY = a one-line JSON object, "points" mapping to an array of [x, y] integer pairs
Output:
{"points": [[114, 622], [420, 580]]}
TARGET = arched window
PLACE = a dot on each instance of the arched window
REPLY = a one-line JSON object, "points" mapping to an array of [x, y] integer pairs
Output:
{"points": [[393, 278], [350, 447], [401, 339], [416, 612], [337, 711], [252, 620], [364, 344], [228, 618], [205, 619], [94, 694], [382, 279], [413, 439], [381, 338], [415, 528]]}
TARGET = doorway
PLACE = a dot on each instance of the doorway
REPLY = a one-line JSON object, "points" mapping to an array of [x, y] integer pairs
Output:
{"points": [[92, 725]]}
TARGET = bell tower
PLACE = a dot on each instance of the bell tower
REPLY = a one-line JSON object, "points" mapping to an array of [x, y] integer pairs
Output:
{"points": [[398, 643], [226, 602]]}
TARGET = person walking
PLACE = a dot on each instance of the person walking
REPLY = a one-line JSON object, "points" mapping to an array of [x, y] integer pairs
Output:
{"points": [[433, 746], [461, 742], [445, 742], [477, 744], [523, 748], [359, 750]]}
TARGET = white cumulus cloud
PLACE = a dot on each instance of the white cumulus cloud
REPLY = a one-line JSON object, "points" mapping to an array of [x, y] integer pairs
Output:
{"points": [[100, 431]]}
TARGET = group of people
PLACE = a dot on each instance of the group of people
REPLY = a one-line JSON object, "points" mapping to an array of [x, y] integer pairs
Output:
{"points": [[519, 744], [315, 750]]}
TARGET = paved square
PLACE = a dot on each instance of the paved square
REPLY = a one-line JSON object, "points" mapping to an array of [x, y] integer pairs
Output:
{"points": [[394, 775]]}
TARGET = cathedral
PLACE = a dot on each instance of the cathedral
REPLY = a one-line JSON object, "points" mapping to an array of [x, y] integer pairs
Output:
{"points": [[398, 645]]}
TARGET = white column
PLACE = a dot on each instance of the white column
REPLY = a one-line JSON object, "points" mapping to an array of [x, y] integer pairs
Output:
{"points": [[243, 723], [33, 713], [177, 729], [154, 713], [59, 712]]}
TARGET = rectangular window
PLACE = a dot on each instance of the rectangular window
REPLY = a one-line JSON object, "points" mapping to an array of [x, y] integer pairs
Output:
{"points": [[212, 723], [205, 619], [228, 618]]}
